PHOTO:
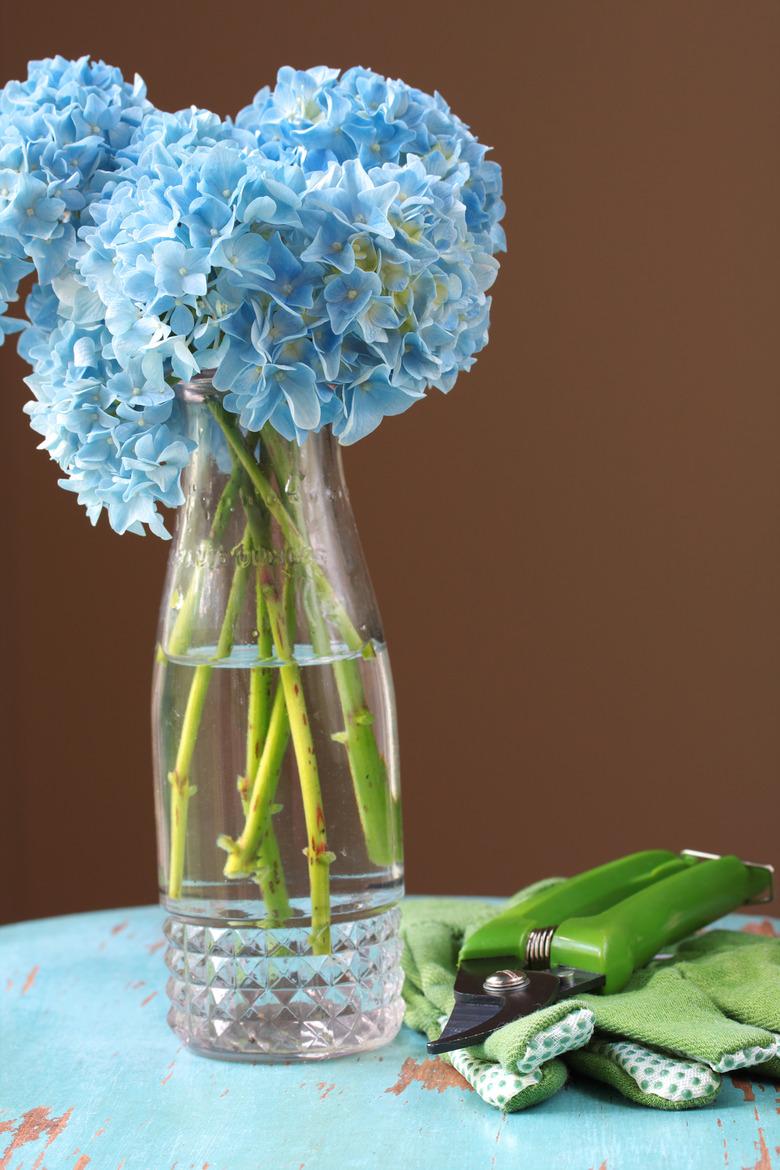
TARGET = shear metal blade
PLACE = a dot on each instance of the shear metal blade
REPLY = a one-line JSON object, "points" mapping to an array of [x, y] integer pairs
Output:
{"points": [[469, 1023], [477, 1013]]}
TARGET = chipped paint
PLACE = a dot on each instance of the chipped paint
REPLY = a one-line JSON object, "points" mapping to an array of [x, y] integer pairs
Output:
{"points": [[719, 1123], [120, 926], [32, 1126], [30, 979], [83, 1161], [148, 999], [765, 927], [764, 1161], [745, 1088], [431, 1074], [425, 1127], [154, 947]]}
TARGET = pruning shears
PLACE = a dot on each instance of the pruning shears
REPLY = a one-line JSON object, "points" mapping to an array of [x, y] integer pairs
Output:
{"points": [[609, 921]]}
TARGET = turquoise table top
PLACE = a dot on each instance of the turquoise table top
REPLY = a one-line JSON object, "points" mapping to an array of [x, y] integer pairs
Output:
{"points": [[90, 1076]]}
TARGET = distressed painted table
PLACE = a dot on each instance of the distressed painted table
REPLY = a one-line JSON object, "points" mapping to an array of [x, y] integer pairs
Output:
{"points": [[90, 1076]]}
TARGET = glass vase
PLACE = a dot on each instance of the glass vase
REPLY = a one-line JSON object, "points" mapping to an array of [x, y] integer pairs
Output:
{"points": [[276, 758]]}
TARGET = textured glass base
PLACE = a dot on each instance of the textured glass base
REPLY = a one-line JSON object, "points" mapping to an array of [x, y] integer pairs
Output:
{"points": [[248, 993]]}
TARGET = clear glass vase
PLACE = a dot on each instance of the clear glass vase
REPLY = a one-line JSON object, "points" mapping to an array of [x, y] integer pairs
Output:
{"points": [[276, 756]]}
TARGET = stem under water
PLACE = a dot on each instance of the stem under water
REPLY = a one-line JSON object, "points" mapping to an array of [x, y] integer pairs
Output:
{"points": [[317, 854], [268, 733], [181, 789], [369, 774], [243, 854]]}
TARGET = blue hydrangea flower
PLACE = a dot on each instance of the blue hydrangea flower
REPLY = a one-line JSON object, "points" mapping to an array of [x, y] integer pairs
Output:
{"points": [[327, 256], [370, 397], [348, 294], [157, 456], [60, 133], [180, 271]]}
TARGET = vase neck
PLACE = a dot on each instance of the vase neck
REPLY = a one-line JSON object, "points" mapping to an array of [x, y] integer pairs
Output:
{"points": [[307, 474]]}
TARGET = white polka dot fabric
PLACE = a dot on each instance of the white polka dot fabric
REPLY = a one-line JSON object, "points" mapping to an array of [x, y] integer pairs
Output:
{"points": [[657, 1074], [494, 1084], [573, 1031], [747, 1057]]}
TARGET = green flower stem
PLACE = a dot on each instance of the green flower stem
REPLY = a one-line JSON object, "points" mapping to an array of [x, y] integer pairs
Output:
{"points": [[181, 790], [317, 854], [267, 862], [226, 503], [260, 687], [269, 875], [276, 447], [266, 746], [369, 774], [243, 856], [267, 740], [260, 681], [367, 768], [289, 530]]}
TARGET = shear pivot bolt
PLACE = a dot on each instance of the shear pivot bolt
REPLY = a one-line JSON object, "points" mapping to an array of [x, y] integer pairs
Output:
{"points": [[506, 981]]}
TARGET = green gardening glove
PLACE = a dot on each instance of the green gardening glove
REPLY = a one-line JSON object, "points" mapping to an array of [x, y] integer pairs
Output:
{"points": [[517, 1066], [713, 1007]]}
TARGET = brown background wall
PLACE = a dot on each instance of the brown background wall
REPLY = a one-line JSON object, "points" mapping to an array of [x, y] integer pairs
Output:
{"points": [[576, 553]]}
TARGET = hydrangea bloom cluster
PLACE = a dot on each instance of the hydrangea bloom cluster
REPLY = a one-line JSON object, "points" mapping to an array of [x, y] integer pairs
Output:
{"points": [[327, 256], [60, 131]]}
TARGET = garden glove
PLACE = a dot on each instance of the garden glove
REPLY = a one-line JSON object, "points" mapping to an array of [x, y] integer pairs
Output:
{"points": [[516, 1067], [713, 1007]]}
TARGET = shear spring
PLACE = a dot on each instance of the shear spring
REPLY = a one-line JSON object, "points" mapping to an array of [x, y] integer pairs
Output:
{"points": [[539, 946]]}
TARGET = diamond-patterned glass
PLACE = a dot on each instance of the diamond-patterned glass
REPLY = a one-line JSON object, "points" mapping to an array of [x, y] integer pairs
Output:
{"points": [[246, 993]]}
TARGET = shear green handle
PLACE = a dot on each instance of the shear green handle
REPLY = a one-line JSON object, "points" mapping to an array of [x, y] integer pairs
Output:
{"points": [[624, 937], [587, 893]]}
